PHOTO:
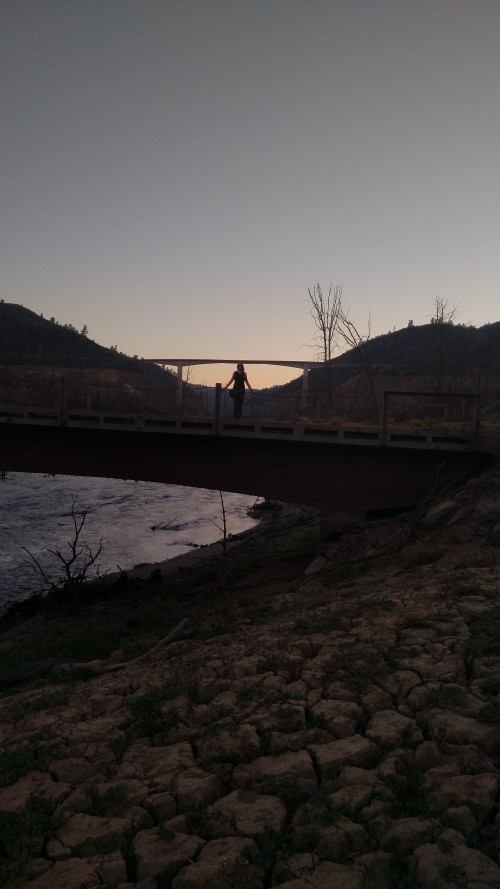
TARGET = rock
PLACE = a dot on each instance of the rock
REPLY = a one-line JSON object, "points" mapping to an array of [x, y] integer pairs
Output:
{"points": [[340, 718], [36, 784], [477, 792], [161, 765], [290, 772], [437, 513], [433, 867], [326, 876], [246, 813], [230, 745], [86, 835], [453, 728], [223, 864], [162, 858], [193, 787], [390, 728], [331, 758], [407, 834]]}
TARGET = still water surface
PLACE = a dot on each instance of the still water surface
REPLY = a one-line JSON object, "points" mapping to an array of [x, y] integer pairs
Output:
{"points": [[138, 522]]}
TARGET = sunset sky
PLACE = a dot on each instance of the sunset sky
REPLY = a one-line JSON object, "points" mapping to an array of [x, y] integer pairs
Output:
{"points": [[175, 174]]}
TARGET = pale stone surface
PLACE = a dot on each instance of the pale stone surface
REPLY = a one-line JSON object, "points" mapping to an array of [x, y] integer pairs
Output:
{"points": [[160, 858], [390, 728], [266, 771], [14, 797], [477, 792], [194, 787], [161, 765], [407, 834], [236, 741], [457, 729], [86, 835], [433, 867], [246, 813], [223, 864], [331, 757], [327, 875]]}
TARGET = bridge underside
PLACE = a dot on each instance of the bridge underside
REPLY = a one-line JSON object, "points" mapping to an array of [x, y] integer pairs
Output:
{"points": [[346, 482]]}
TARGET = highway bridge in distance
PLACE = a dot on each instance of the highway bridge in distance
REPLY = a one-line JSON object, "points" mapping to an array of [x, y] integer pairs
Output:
{"points": [[351, 472]]}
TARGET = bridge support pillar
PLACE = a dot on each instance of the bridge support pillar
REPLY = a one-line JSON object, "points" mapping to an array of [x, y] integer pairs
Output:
{"points": [[305, 380], [180, 368]]}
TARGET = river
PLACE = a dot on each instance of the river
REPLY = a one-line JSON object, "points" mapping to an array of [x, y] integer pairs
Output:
{"points": [[138, 522]]}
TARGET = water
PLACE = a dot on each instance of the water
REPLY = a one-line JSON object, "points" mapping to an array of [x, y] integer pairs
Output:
{"points": [[137, 521]]}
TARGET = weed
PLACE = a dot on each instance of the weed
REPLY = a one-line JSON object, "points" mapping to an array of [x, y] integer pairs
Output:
{"points": [[272, 846], [317, 720], [445, 696], [286, 789], [484, 638], [225, 618], [490, 713], [119, 746], [366, 666], [320, 810], [20, 832], [401, 878], [149, 711], [277, 662], [326, 620], [491, 686], [104, 802], [409, 799], [48, 701], [33, 756], [245, 694], [197, 821], [165, 833]]}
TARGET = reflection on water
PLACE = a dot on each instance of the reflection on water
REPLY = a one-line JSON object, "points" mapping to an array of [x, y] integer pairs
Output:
{"points": [[138, 522]]}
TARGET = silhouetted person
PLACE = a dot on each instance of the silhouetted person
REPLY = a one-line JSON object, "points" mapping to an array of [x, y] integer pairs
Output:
{"points": [[239, 380]]}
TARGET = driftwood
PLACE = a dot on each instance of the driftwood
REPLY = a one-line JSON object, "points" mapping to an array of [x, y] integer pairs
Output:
{"points": [[57, 669]]}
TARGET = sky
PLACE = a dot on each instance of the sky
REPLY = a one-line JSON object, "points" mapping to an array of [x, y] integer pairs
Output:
{"points": [[176, 174]]}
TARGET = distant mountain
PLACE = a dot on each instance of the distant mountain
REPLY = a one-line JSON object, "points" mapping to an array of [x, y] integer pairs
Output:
{"points": [[445, 354], [28, 338], [36, 353]]}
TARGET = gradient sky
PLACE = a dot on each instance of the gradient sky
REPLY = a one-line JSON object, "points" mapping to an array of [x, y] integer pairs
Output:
{"points": [[175, 174]]}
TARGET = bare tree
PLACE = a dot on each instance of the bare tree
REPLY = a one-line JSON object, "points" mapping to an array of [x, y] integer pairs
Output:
{"points": [[443, 314], [76, 564], [358, 343], [443, 370], [325, 312], [223, 528]]}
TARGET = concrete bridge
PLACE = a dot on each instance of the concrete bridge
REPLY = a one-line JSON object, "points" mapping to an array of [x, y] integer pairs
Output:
{"points": [[181, 363]]}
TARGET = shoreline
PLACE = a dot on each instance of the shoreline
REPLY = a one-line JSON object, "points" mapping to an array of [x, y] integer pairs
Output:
{"points": [[202, 553]]}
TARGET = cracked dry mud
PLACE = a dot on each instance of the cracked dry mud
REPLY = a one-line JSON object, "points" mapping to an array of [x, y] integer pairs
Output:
{"points": [[343, 732]]}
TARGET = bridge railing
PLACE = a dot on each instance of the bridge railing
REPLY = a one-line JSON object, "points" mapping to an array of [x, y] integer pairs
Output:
{"points": [[416, 417]]}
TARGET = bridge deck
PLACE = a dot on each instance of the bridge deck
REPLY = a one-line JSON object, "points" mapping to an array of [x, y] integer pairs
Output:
{"points": [[438, 436]]}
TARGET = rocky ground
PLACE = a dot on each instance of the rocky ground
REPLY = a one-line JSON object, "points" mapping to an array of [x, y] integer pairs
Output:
{"points": [[328, 723]]}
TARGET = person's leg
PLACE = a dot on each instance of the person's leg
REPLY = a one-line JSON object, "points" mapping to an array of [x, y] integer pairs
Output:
{"points": [[238, 404]]}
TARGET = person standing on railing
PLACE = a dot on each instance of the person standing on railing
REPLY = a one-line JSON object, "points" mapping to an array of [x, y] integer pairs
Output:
{"points": [[239, 380]]}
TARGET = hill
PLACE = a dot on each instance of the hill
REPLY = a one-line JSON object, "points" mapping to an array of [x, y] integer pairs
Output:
{"points": [[36, 354], [441, 358]]}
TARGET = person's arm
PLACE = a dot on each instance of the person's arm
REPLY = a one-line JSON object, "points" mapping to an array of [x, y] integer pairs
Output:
{"points": [[248, 384], [228, 384]]}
